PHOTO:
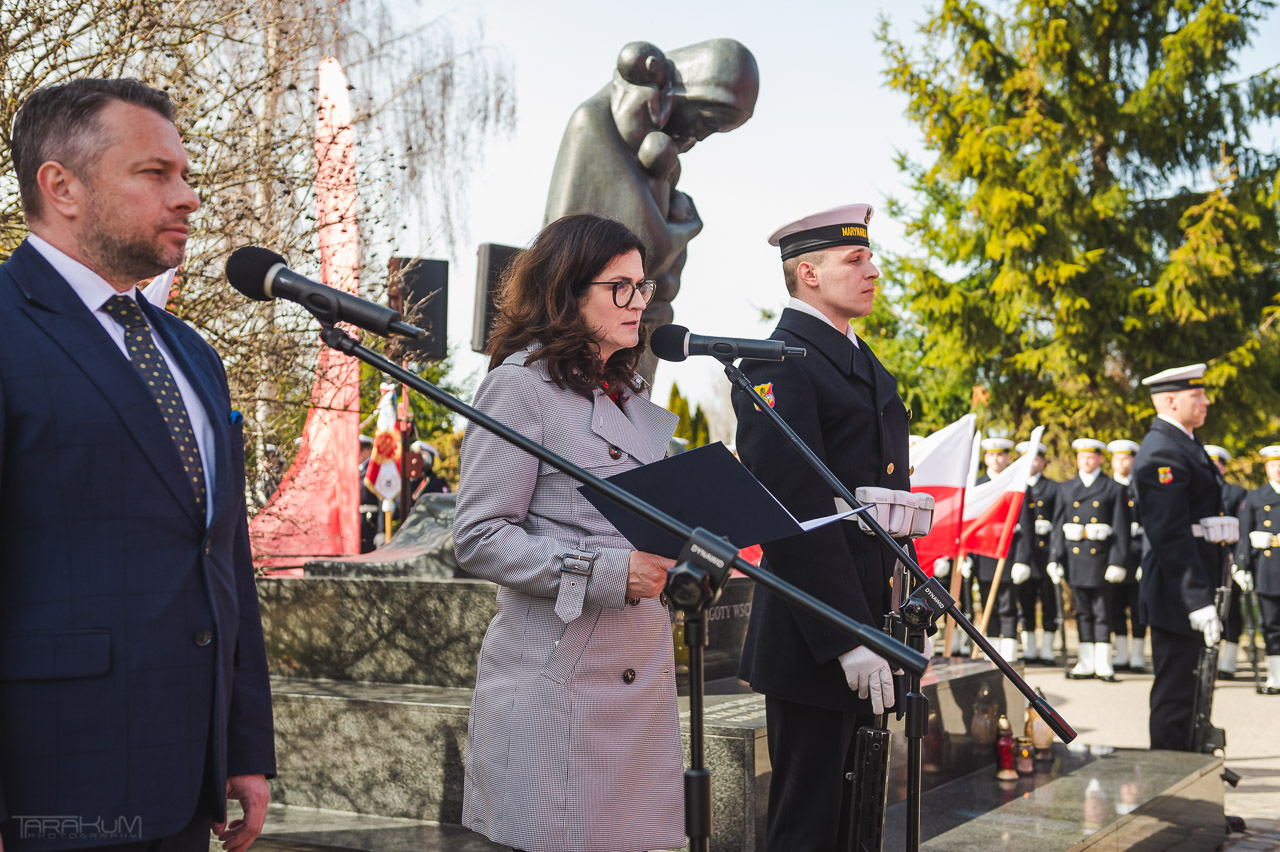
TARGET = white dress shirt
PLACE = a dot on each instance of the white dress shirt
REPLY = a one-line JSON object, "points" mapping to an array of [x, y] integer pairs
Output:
{"points": [[806, 308], [1088, 478], [1167, 419], [94, 291]]}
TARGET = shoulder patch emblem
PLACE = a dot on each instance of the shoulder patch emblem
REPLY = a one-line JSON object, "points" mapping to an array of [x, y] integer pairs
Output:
{"points": [[766, 392], [1165, 474]]}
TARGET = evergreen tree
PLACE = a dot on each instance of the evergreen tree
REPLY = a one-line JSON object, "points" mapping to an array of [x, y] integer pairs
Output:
{"points": [[1094, 210]]}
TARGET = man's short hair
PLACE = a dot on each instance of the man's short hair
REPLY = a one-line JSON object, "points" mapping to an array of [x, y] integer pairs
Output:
{"points": [[60, 123], [792, 264]]}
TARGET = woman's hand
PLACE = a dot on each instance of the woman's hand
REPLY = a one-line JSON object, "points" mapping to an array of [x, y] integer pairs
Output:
{"points": [[647, 575]]}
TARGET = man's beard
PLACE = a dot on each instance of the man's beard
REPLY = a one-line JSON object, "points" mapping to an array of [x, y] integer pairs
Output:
{"points": [[124, 257]]}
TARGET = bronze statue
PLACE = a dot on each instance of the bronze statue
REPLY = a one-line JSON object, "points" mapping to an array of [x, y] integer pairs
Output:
{"points": [[620, 155]]}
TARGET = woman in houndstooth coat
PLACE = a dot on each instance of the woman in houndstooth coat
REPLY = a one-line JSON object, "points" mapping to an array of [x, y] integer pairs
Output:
{"points": [[574, 737]]}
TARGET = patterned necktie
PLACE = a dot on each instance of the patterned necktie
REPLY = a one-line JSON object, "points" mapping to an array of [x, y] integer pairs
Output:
{"points": [[150, 364]]}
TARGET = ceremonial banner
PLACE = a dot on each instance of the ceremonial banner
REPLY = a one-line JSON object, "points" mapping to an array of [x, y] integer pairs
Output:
{"points": [[314, 511], [991, 509], [940, 467]]}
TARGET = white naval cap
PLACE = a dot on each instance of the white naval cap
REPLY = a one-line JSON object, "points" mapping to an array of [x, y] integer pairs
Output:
{"points": [[1092, 445], [1122, 446], [1216, 452], [1176, 379], [423, 447], [996, 445], [1024, 447], [1270, 453], [839, 226]]}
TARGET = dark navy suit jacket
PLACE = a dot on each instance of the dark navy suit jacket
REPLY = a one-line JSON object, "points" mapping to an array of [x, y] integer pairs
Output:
{"points": [[132, 670], [845, 406]]}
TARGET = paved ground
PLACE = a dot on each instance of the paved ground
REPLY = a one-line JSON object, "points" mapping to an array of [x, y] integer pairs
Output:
{"points": [[1116, 714]]}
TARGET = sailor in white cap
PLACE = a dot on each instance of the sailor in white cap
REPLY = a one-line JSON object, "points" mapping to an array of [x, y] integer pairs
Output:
{"points": [[1259, 558], [1030, 554], [820, 687], [1091, 541], [1122, 614], [1233, 497], [1177, 486], [1004, 619]]}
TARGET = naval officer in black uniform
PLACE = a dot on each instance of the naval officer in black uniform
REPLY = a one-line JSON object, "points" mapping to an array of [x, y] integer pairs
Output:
{"points": [[844, 404], [1177, 486], [1030, 555], [1233, 497], [1091, 537], [1259, 559], [1122, 611]]}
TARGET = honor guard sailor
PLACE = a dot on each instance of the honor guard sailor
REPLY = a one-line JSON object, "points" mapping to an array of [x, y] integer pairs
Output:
{"points": [[1004, 615], [1030, 555], [1259, 557], [1091, 539], [1127, 625], [1233, 497], [1177, 486], [819, 687]]}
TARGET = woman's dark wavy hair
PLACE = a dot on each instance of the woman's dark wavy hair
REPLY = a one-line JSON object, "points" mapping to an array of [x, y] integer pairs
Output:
{"points": [[537, 302]]}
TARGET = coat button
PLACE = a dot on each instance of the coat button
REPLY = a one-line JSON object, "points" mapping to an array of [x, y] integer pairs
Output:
{"points": [[614, 452], [629, 676], [203, 637], [1076, 504], [1093, 520], [889, 469], [1096, 504], [1075, 550], [662, 598]]}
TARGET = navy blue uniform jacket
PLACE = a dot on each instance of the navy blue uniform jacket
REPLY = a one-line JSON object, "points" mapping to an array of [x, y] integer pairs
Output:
{"points": [[846, 408], [130, 639], [1177, 485]]}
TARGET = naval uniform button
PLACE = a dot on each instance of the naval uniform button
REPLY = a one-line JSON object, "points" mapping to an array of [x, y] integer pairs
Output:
{"points": [[1075, 550], [203, 637], [1093, 520], [614, 452], [1267, 522], [1096, 504], [629, 676], [889, 469]]}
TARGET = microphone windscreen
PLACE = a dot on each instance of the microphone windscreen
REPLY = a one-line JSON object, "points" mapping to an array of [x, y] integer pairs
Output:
{"points": [[667, 342], [247, 270]]}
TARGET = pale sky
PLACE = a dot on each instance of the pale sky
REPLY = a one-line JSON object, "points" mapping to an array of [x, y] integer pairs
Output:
{"points": [[825, 131]]}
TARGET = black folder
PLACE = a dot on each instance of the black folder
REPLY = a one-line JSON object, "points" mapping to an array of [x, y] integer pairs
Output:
{"points": [[706, 487]]}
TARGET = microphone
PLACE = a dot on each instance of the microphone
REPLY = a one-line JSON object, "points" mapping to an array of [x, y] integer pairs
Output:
{"points": [[675, 343], [262, 274]]}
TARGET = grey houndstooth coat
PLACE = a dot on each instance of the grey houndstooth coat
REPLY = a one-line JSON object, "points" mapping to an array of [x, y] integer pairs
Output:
{"points": [[574, 737]]}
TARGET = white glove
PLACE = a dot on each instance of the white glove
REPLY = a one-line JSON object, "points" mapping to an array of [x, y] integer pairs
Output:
{"points": [[1137, 575], [1221, 529], [1135, 529], [1242, 577], [1260, 539], [1054, 570], [1044, 527], [1205, 619], [966, 567], [1073, 532], [942, 567], [1115, 574], [1097, 532], [1020, 573], [868, 675]]}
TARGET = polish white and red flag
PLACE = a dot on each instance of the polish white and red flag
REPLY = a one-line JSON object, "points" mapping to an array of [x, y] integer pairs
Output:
{"points": [[940, 467], [991, 509]]}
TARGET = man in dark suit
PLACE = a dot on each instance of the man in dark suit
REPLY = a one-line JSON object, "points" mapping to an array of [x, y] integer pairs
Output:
{"points": [[819, 687], [1122, 600], [1258, 560], [134, 697], [1177, 486], [1091, 537], [1030, 555], [1233, 497]]}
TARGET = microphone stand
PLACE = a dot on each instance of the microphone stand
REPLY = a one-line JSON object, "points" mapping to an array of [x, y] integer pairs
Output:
{"points": [[693, 584], [925, 605]]}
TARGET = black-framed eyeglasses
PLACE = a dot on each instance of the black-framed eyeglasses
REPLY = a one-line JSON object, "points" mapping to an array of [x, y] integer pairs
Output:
{"points": [[624, 291]]}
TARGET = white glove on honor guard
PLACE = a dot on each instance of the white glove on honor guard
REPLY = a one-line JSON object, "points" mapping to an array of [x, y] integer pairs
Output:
{"points": [[1054, 570], [1020, 573], [1115, 574], [1137, 575], [942, 567], [1221, 529], [1205, 619], [869, 676], [1242, 577], [966, 567]]}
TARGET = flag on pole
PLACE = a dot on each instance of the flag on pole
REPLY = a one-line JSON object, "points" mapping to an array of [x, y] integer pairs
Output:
{"points": [[991, 509], [940, 467], [382, 476]]}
